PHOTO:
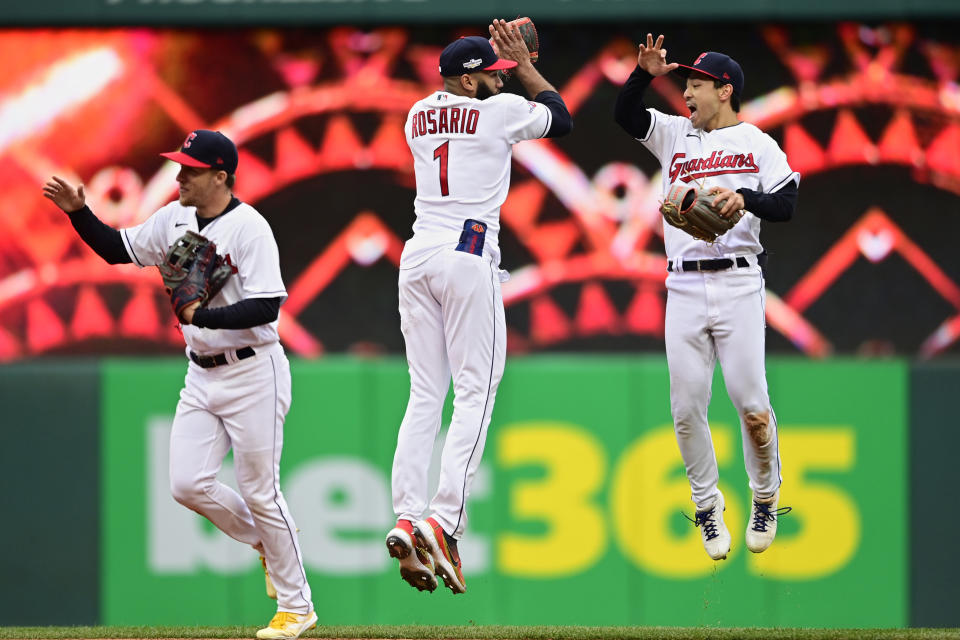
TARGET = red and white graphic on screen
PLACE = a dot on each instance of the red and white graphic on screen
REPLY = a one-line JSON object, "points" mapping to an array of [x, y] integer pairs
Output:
{"points": [[55, 292]]}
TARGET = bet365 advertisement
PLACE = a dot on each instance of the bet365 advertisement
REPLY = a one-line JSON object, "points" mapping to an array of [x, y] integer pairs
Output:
{"points": [[576, 515]]}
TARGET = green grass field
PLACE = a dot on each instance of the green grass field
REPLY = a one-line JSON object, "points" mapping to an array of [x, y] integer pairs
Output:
{"points": [[491, 632]]}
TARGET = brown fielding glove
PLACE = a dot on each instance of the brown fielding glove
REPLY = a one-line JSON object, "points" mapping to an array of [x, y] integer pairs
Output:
{"points": [[193, 271], [529, 34], [688, 208]]}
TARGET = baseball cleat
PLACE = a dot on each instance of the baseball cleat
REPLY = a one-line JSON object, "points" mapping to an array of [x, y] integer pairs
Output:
{"points": [[271, 590], [762, 527], [716, 537], [416, 565], [443, 549], [287, 625]]}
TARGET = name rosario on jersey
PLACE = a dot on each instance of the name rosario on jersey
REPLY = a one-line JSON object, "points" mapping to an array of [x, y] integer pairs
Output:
{"points": [[714, 165], [444, 120]]}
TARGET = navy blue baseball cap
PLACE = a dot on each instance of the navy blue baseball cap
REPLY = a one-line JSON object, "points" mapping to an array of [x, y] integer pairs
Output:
{"points": [[469, 55], [718, 66], [209, 149]]}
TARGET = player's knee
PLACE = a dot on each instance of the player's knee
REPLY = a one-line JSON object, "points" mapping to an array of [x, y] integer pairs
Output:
{"points": [[687, 420], [471, 393], [260, 502], [259, 494], [430, 390], [758, 426], [189, 494], [427, 397]]}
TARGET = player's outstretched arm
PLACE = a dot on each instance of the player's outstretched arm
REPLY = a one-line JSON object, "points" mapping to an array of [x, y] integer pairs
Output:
{"points": [[104, 240], [629, 111], [510, 44]]}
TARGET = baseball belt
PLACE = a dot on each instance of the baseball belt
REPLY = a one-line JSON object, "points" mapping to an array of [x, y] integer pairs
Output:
{"points": [[711, 264], [719, 264], [208, 362]]}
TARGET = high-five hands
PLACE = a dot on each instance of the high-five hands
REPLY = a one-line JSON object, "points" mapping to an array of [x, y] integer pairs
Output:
{"points": [[653, 59], [64, 195]]}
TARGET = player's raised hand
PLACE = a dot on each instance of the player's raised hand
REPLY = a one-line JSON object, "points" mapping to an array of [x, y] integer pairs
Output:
{"points": [[510, 44], [64, 195], [653, 59]]}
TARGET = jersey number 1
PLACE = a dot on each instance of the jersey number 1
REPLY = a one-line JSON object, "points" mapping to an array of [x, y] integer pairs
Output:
{"points": [[442, 153]]}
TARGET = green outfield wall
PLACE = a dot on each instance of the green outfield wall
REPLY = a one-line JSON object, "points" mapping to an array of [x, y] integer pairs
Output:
{"points": [[49, 505], [934, 443], [576, 515]]}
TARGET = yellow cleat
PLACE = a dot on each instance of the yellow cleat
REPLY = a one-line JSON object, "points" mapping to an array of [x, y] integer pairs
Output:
{"points": [[271, 590], [287, 625]]}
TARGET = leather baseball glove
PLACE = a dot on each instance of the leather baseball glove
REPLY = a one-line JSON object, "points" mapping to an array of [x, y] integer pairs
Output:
{"points": [[529, 34], [689, 209], [193, 271]]}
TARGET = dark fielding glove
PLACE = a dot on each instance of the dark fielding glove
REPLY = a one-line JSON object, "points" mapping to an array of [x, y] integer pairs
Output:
{"points": [[688, 208], [192, 271], [529, 34]]}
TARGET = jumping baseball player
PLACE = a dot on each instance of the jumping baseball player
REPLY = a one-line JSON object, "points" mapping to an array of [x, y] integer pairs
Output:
{"points": [[237, 388], [451, 309], [715, 290]]}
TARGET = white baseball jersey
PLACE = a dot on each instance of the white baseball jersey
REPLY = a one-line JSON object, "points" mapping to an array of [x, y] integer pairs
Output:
{"points": [[240, 405], [739, 156], [461, 152], [243, 236], [719, 315], [450, 302]]}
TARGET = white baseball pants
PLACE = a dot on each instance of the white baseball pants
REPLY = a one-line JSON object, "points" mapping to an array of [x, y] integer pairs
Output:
{"points": [[451, 316], [241, 405], [720, 315]]}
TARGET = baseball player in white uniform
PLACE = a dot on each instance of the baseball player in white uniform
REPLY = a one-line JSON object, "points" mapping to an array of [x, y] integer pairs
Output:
{"points": [[451, 309], [237, 388], [715, 291]]}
